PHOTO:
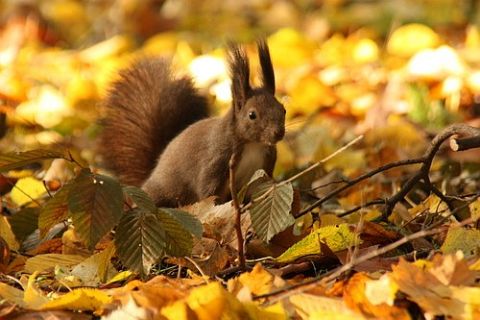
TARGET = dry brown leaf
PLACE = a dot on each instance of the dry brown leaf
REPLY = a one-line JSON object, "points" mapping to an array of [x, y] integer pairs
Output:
{"points": [[426, 290], [355, 298]]}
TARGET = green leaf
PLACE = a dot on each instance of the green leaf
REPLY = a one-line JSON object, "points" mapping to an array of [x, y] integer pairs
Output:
{"points": [[141, 198], [140, 240], [24, 222], [54, 211], [187, 220], [178, 241], [258, 178], [9, 161], [96, 205], [338, 237], [143, 237], [271, 215]]}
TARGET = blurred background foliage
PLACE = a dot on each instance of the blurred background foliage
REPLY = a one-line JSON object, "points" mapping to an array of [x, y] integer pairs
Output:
{"points": [[344, 67]]}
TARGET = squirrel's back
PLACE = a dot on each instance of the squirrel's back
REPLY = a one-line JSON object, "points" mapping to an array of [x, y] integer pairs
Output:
{"points": [[145, 109]]}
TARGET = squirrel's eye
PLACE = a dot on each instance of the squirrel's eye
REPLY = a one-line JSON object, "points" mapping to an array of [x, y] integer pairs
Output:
{"points": [[252, 115]]}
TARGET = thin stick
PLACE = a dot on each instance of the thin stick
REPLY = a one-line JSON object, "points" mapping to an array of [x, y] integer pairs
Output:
{"points": [[238, 213], [315, 165], [298, 175]]}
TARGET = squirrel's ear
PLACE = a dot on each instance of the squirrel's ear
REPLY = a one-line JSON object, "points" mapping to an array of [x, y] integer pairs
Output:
{"points": [[240, 75], [268, 77]]}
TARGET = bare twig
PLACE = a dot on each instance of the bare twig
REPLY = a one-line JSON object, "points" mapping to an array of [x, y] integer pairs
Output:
{"points": [[317, 164], [353, 182], [238, 213], [472, 141], [325, 278], [422, 174], [300, 174]]}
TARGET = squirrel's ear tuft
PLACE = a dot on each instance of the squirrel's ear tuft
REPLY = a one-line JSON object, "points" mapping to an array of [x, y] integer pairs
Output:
{"points": [[268, 77], [240, 75]]}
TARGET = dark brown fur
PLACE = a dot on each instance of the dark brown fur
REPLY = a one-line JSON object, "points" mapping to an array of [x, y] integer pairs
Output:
{"points": [[193, 165], [145, 109]]}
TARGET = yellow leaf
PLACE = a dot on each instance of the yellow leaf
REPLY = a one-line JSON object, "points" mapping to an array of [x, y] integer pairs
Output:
{"points": [[411, 38], [365, 50], [475, 209], [79, 299], [178, 310], [80, 89], [47, 107], [33, 296], [27, 189], [330, 219], [291, 41], [45, 261], [212, 301], [309, 306], [381, 291], [426, 290], [308, 94], [337, 238], [258, 281], [7, 234], [161, 43], [12, 294], [458, 238], [121, 276], [273, 312]]}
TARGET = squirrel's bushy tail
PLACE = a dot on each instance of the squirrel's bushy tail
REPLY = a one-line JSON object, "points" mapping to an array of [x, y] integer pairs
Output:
{"points": [[145, 109]]}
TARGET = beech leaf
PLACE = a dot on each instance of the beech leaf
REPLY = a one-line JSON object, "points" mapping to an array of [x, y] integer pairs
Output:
{"points": [[95, 202], [13, 160], [24, 222], [54, 211], [187, 220], [178, 239], [143, 237], [141, 198], [271, 214]]}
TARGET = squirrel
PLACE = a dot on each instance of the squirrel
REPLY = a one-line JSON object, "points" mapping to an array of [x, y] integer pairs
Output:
{"points": [[157, 133]]}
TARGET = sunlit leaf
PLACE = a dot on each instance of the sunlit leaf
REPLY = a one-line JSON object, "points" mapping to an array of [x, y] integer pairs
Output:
{"points": [[11, 294], [7, 234], [337, 238], [309, 306], [26, 190], [34, 297], [84, 299], [95, 203], [463, 239], [411, 38]]}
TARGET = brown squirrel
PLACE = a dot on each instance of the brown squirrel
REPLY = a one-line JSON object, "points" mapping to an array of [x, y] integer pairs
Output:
{"points": [[155, 135]]}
